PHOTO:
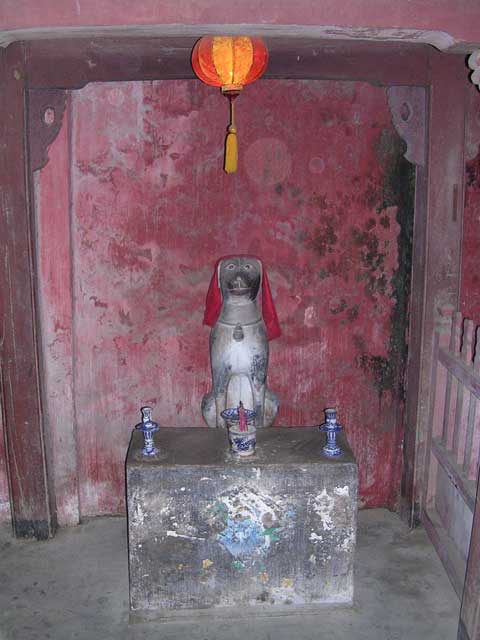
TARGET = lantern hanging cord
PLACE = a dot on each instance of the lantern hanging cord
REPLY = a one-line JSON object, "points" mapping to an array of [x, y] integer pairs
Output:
{"points": [[231, 127]]}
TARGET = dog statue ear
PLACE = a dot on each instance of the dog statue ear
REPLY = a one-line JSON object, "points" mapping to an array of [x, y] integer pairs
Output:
{"points": [[213, 302], [269, 312], [256, 288]]}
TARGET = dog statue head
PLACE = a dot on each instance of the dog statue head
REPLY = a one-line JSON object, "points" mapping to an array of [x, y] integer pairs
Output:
{"points": [[240, 277]]}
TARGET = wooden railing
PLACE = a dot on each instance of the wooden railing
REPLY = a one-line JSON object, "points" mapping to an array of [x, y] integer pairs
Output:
{"points": [[453, 441]]}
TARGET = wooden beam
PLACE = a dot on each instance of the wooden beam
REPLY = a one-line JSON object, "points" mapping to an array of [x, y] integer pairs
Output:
{"points": [[461, 371], [31, 499], [70, 64], [409, 507]]}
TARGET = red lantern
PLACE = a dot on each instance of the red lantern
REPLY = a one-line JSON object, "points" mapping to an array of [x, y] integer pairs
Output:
{"points": [[229, 62]]}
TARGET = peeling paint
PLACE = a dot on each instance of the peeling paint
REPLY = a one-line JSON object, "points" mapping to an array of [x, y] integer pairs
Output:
{"points": [[286, 595], [314, 537], [175, 534], [323, 505], [139, 514]]}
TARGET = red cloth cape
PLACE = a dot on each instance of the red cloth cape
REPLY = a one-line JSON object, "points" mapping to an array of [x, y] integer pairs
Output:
{"points": [[213, 303]]}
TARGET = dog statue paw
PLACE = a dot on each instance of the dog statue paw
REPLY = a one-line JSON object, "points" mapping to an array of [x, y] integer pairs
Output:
{"points": [[239, 340]]}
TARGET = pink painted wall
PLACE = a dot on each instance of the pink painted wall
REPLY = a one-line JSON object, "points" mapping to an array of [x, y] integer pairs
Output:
{"points": [[152, 210], [453, 21], [316, 196]]}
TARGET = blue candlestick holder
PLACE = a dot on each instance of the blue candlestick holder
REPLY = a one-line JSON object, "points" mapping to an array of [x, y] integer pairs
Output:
{"points": [[148, 427], [331, 428]]}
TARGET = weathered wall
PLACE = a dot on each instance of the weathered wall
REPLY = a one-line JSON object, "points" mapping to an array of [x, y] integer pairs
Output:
{"points": [[152, 210], [444, 24], [322, 194]]}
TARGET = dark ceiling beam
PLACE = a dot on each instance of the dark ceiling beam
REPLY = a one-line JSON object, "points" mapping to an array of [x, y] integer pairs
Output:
{"points": [[73, 63]]}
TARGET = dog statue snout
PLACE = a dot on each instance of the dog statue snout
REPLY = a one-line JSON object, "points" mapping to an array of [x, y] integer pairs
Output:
{"points": [[239, 283]]}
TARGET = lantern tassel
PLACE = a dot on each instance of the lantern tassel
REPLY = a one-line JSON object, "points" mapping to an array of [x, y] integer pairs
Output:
{"points": [[231, 144]]}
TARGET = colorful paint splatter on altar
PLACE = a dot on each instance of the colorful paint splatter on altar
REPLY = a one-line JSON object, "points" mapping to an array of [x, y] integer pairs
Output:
{"points": [[249, 523]]}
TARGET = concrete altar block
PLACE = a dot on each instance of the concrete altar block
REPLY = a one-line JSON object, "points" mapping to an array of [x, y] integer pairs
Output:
{"points": [[271, 533]]}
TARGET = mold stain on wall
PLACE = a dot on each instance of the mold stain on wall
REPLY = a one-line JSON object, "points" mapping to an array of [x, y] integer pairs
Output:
{"points": [[322, 194]]}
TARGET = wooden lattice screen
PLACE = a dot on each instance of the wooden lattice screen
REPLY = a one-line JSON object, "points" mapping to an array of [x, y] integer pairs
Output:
{"points": [[453, 443]]}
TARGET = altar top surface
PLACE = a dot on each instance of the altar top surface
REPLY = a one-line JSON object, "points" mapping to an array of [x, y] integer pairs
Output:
{"points": [[193, 446]]}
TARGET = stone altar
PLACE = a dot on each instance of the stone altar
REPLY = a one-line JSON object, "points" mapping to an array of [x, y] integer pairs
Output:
{"points": [[208, 533]]}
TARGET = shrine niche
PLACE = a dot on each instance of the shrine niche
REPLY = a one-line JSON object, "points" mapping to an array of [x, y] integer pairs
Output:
{"points": [[48, 395], [281, 189]]}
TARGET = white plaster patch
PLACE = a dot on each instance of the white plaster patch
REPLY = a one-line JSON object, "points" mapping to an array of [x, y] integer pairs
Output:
{"points": [[349, 542], [314, 537], [249, 503], [342, 491], [67, 511], [138, 515], [322, 504], [166, 508], [174, 534], [310, 317], [286, 595]]}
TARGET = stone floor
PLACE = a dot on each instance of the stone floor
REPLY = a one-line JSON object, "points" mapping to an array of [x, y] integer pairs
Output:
{"points": [[76, 587]]}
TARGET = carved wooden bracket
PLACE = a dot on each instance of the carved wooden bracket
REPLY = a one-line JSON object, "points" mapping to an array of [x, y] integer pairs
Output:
{"points": [[45, 114], [407, 107]]}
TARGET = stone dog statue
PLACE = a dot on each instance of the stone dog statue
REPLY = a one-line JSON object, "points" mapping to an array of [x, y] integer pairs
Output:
{"points": [[239, 340]]}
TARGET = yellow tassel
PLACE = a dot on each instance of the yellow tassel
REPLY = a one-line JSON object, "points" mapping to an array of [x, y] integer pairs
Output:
{"points": [[231, 145], [231, 151]]}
